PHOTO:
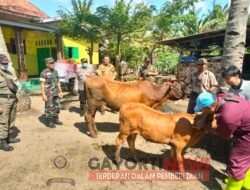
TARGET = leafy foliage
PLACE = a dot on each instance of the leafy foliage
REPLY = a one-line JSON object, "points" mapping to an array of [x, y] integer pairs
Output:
{"points": [[128, 31]]}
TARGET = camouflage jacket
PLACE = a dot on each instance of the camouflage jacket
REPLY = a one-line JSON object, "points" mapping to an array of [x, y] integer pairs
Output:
{"points": [[51, 79]]}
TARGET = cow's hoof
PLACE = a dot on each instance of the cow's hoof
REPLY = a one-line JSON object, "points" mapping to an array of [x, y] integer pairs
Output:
{"points": [[93, 135], [117, 160]]}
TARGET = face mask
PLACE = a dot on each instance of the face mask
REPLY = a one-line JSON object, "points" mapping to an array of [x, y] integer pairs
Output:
{"points": [[85, 65], [4, 67]]}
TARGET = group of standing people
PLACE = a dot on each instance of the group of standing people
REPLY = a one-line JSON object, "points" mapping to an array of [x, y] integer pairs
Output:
{"points": [[232, 110]]}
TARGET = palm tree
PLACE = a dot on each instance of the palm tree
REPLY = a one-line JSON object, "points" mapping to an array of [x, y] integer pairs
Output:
{"points": [[235, 37], [81, 23]]}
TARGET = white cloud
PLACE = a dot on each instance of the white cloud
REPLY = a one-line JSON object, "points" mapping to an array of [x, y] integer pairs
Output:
{"points": [[200, 5]]}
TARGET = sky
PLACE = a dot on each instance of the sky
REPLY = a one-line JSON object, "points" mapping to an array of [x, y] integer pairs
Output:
{"points": [[50, 7]]}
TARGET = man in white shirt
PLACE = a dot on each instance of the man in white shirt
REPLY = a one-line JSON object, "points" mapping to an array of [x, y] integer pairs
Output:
{"points": [[238, 86]]}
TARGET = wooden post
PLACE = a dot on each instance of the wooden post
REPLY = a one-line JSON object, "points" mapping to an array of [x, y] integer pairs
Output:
{"points": [[59, 47], [23, 76]]}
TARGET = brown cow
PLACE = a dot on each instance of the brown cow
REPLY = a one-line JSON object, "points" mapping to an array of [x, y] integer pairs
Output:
{"points": [[176, 130], [114, 94]]}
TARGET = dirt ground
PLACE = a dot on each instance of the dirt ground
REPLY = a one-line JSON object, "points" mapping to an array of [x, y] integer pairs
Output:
{"points": [[32, 163]]}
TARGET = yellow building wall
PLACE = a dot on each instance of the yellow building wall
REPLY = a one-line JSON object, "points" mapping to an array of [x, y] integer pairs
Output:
{"points": [[31, 37], [82, 45]]}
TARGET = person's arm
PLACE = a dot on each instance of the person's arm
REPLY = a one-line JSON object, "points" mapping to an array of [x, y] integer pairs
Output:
{"points": [[98, 71], [43, 79], [60, 89], [114, 73], [76, 84], [225, 129], [43, 91], [213, 83], [152, 73]]}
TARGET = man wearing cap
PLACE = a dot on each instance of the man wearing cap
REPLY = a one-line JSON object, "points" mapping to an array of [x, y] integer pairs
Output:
{"points": [[8, 101], [201, 80], [51, 93], [82, 74], [233, 119], [238, 86]]}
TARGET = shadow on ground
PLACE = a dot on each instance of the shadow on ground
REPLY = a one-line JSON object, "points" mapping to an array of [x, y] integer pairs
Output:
{"points": [[217, 148], [14, 131], [105, 127]]}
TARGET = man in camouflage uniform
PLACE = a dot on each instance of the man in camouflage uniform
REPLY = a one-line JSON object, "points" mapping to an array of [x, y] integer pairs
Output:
{"points": [[148, 71], [8, 101], [51, 93], [106, 69], [82, 74]]}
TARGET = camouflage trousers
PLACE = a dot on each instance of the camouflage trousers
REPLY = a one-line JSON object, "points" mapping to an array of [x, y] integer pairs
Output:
{"points": [[52, 107], [8, 117]]}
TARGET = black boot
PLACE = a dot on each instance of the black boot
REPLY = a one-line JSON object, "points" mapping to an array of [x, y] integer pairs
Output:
{"points": [[50, 123], [57, 121], [5, 146], [13, 140]]}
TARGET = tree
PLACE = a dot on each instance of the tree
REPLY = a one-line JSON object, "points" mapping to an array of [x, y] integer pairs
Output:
{"points": [[81, 23], [122, 21], [235, 36], [172, 16], [181, 18]]}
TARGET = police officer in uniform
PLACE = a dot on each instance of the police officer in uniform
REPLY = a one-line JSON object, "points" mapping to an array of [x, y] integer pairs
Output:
{"points": [[51, 93], [8, 101], [82, 74], [148, 71]]}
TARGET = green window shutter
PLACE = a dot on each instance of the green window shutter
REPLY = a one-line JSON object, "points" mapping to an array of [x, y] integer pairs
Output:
{"points": [[66, 52], [75, 54]]}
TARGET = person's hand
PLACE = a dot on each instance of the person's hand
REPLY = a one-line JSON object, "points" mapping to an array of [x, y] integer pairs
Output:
{"points": [[60, 94], [75, 91], [1, 110], [45, 98]]}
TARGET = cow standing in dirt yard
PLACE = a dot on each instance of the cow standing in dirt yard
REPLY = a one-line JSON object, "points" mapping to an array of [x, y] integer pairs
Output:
{"points": [[177, 130], [114, 94]]}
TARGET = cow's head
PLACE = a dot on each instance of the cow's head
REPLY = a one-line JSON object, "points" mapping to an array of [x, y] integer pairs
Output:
{"points": [[175, 91], [205, 120]]}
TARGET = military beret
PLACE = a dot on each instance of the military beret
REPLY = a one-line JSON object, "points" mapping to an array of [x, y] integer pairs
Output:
{"points": [[49, 59]]}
